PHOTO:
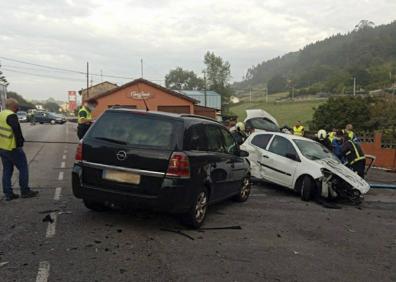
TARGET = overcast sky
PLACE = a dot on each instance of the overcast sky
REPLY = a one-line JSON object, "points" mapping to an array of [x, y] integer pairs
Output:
{"points": [[114, 35]]}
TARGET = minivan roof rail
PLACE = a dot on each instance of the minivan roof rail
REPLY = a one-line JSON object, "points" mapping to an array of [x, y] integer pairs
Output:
{"points": [[200, 117]]}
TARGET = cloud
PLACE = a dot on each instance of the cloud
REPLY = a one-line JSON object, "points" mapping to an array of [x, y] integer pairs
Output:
{"points": [[114, 35]]}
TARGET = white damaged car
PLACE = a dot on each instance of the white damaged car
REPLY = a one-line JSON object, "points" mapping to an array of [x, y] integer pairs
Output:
{"points": [[301, 164]]}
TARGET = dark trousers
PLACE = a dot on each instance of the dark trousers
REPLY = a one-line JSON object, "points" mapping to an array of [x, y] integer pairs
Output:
{"points": [[18, 159], [359, 167], [81, 130]]}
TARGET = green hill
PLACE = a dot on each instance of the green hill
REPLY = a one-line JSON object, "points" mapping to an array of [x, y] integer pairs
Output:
{"points": [[328, 66]]}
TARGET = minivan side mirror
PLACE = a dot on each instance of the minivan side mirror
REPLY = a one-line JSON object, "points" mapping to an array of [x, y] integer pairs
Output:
{"points": [[292, 157], [243, 154]]}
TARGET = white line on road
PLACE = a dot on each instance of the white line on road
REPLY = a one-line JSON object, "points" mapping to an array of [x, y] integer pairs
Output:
{"points": [[43, 271], [63, 164], [60, 177], [57, 194], [51, 229], [64, 157]]}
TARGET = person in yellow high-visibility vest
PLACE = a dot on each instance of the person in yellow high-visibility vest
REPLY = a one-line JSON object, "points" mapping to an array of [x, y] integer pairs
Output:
{"points": [[354, 155], [11, 152], [349, 130], [298, 129], [85, 118]]}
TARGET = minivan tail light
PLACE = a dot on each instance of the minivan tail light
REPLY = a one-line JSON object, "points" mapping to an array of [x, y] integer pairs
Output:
{"points": [[179, 166], [79, 152]]}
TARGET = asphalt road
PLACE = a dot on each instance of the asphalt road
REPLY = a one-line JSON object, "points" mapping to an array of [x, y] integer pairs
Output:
{"points": [[281, 238]]}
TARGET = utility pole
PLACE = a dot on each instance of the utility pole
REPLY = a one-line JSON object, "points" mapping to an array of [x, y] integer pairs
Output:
{"points": [[250, 94], [87, 80], [266, 96], [293, 93], [354, 86], [205, 93], [141, 67]]}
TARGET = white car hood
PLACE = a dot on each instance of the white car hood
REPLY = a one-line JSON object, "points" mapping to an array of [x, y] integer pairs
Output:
{"points": [[346, 174], [257, 113]]}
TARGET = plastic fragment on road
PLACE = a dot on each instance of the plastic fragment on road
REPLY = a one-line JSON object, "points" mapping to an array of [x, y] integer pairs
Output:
{"points": [[4, 263]]}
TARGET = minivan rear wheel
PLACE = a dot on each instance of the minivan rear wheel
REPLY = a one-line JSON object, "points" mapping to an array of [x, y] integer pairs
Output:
{"points": [[95, 206], [196, 216]]}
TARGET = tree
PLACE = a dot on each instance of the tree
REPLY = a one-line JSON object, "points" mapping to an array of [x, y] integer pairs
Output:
{"points": [[179, 79], [21, 101], [337, 112], [3, 80], [277, 84], [218, 73], [51, 107]]}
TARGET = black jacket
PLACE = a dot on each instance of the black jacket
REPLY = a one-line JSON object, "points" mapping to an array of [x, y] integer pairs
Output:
{"points": [[12, 120]]}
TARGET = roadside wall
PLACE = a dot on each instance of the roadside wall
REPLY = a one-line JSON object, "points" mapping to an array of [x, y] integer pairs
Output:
{"points": [[385, 153]]}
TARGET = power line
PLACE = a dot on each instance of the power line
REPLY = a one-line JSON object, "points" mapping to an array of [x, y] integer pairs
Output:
{"points": [[63, 69], [43, 75]]}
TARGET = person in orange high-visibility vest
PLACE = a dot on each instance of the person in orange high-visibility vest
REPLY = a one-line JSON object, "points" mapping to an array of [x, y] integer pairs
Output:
{"points": [[298, 129]]}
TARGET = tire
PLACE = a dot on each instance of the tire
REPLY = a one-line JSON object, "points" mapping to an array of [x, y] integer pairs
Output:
{"points": [[52, 122], [307, 188], [197, 214], [245, 190], [95, 206]]}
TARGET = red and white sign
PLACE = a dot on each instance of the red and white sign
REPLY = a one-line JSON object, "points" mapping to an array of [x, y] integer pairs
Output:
{"points": [[72, 95]]}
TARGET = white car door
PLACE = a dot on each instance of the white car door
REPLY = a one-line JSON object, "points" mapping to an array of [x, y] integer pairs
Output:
{"points": [[281, 161], [257, 148]]}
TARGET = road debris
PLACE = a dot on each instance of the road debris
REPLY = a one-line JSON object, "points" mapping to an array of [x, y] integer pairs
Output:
{"points": [[4, 263], [177, 232], [236, 227], [48, 218]]}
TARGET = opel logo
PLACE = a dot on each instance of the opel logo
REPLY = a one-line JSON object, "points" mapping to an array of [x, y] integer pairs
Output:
{"points": [[121, 155]]}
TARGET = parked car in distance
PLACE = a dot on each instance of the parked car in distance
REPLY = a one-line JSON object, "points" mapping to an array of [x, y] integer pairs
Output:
{"points": [[302, 165], [258, 119], [167, 162], [22, 116], [47, 117]]}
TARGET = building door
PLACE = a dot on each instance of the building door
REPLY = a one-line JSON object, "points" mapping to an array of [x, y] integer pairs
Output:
{"points": [[175, 109]]}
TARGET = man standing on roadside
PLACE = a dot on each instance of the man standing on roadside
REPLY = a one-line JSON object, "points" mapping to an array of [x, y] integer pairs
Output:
{"points": [[85, 118], [11, 152]]}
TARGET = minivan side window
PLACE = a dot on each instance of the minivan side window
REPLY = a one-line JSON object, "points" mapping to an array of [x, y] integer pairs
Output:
{"points": [[281, 146], [261, 140], [195, 139], [214, 139], [229, 142]]}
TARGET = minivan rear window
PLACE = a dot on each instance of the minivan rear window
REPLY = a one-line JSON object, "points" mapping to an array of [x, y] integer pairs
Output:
{"points": [[131, 129]]}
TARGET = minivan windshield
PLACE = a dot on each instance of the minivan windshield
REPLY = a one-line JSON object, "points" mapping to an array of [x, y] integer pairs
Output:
{"points": [[134, 129], [313, 150]]}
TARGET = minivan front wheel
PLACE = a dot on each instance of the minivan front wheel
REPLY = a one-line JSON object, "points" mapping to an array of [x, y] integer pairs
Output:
{"points": [[244, 192], [196, 216], [95, 206]]}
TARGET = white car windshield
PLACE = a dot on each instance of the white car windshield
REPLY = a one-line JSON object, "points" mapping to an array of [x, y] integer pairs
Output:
{"points": [[313, 150], [263, 124]]}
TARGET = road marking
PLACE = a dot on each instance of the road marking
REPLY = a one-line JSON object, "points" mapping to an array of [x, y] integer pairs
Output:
{"points": [[64, 157], [60, 177], [43, 271], [63, 164], [57, 194], [51, 229]]}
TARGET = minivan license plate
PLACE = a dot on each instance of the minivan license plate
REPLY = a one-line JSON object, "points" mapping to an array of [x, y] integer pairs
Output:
{"points": [[121, 176]]}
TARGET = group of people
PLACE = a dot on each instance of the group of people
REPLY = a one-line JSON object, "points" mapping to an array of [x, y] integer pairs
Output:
{"points": [[345, 145]]}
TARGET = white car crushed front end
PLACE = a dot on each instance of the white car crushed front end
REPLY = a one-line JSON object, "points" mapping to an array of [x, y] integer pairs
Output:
{"points": [[338, 180]]}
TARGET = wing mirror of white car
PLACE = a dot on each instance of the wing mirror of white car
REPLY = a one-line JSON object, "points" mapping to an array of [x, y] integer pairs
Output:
{"points": [[243, 154], [293, 157]]}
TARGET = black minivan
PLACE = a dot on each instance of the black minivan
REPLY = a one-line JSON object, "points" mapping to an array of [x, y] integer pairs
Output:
{"points": [[167, 162]]}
